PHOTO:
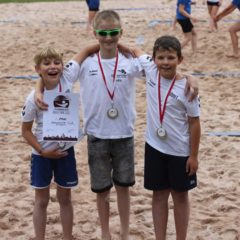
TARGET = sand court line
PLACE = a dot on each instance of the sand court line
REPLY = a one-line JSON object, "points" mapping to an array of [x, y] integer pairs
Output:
{"points": [[29, 77], [224, 134], [2, 132]]}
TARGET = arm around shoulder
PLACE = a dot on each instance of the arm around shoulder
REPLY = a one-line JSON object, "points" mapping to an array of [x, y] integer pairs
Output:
{"points": [[38, 95], [85, 52], [191, 87], [230, 8], [138, 52]]}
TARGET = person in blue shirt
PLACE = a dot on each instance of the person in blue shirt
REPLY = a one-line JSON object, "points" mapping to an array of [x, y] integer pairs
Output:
{"points": [[233, 29], [185, 19], [93, 8]]}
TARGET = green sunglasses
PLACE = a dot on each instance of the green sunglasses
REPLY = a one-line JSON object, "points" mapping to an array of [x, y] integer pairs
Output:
{"points": [[111, 32]]}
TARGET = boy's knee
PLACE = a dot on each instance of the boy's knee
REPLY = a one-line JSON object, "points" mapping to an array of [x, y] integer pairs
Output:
{"points": [[64, 198], [42, 203], [232, 30], [105, 196]]}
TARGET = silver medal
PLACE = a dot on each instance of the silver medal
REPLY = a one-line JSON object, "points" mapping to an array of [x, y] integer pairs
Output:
{"points": [[112, 113], [161, 132]]}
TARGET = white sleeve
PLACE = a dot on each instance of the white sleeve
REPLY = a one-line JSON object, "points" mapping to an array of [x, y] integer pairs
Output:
{"points": [[137, 68], [71, 71], [146, 62], [29, 110], [193, 107]]}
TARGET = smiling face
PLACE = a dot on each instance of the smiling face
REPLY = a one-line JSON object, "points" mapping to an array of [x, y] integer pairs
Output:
{"points": [[49, 66], [167, 55], [110, 21], [50, 70], [167, 61]]}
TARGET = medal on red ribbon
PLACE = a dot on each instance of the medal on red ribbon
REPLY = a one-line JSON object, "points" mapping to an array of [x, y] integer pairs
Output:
{"points": [[161, 132], [112, 112]]}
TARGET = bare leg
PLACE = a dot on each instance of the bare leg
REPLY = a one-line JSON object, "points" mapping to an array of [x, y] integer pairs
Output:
{"points": [[234, 38], [210, 18], [194, 41], [66, 211], [181, 213], [40, 212], [123, 200], [213, 14], [160, 213], [187, 39], [103, 212], [91, 15]]}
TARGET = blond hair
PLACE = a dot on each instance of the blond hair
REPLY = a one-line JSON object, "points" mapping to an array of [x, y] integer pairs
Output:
{"points": [[106, 15], [47, 52]]}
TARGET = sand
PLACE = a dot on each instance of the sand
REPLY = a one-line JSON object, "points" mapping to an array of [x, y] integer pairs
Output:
{"points": [[215, 203]]}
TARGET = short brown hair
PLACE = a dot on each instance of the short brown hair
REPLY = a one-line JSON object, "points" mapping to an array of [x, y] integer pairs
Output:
{"points": [[108, 15], [167, 43], [47, 52]]}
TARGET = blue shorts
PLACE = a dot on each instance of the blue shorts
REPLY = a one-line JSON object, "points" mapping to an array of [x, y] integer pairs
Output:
{"points": [[213, 4], [63, 169], [111, 161], [164, 171], [93, 5]]}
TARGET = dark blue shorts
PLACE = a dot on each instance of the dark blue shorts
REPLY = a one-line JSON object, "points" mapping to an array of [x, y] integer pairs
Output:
{"points": [[213, 4], [186, 25], [93, 5], [63, 169], [163, 171]]}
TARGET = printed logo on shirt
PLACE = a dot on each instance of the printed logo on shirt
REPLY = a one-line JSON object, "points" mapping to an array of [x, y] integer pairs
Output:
{"points": [[122, 74], [69, 64], [23, 110], [173, 95], [93, 72], [151, 83], [149, 59]]}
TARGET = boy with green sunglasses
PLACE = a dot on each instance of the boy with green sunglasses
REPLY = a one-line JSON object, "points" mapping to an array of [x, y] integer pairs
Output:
{"points": [[111, 33]]}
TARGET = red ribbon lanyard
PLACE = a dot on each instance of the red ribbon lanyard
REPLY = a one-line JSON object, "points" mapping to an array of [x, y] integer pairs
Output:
{"points": [[59, 87], [111, 95], [162, 111]]}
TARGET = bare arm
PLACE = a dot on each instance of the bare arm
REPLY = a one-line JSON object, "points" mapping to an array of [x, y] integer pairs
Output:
{"points": [[32, 141], [138, 52], [84, 53], [174, 23], [184, 13], [38, 96], [195, 133], [79, 58], [125, 50], [230, 8], [191, 87]]}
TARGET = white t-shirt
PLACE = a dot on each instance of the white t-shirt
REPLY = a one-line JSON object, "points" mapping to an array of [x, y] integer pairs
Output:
{"points": [[175, 120], [96, 101], [31, 112]]}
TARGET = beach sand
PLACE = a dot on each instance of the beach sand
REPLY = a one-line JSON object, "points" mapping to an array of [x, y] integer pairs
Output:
{"points": [[215, 203]]}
